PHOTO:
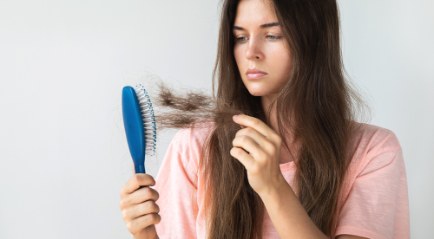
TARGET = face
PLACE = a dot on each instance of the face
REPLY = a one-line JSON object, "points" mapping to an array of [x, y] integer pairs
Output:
{"points": [[262, 48]]}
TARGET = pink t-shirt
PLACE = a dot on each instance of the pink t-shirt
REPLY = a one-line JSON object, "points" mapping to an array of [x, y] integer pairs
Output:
{"points": [[374, 196]]}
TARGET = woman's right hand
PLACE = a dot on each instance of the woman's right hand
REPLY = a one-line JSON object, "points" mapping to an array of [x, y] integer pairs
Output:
{"points": [[139, 210]]}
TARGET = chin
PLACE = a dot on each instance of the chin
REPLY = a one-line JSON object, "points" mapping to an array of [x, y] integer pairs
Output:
{"points": [[257, 93], [258, 88]]}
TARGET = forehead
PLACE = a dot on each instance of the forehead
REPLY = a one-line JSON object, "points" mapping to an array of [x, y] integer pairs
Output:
{"points": [[254, 12]]}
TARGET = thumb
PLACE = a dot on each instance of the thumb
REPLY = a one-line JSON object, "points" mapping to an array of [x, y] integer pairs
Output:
{"points": [[242, 126]]}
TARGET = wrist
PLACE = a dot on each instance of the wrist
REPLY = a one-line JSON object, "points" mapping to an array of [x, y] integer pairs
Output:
{"points": [[274, 192], [138, 237]]}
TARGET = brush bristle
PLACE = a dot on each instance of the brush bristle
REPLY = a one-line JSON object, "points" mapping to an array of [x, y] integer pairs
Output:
{"points": [[148, 119]]}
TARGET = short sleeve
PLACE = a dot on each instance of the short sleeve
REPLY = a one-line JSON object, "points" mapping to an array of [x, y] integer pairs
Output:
{"points": [[175, 184], [377, 206]]}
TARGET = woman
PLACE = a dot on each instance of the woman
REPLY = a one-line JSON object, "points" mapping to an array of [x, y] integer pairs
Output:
{"points": [[295, 163]]}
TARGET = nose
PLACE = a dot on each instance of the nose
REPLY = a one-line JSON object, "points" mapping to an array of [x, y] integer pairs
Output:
{"points": [[254, 51]]}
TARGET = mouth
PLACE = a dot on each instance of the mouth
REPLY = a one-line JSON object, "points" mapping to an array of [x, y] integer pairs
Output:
{"points": [[255, 76]]}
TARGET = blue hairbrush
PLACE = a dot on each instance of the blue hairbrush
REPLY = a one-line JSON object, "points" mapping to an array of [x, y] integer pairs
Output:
{"points": [[139, 123]]}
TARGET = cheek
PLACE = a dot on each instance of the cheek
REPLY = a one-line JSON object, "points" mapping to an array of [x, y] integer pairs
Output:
{"points": [[281, 67], [287, 57], [238, 55], [283, 62]]}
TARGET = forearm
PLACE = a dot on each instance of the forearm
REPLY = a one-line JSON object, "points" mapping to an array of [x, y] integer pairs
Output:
{"points": [[288, 215], [141, 237]]}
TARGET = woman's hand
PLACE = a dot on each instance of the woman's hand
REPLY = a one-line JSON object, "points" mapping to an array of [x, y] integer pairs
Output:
{"points": [[263, 156], [139, 210]]}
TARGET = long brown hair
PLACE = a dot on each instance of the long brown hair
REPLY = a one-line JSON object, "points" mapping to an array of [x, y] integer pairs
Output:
{"points": [[317, 106]]}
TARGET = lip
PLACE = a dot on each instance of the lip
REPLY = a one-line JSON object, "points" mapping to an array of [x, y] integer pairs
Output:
{"points": [[253, 74]]}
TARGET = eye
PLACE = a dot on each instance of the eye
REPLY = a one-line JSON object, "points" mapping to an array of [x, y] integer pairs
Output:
{"points": [[272, 38], [238, 39], [275, 37]]}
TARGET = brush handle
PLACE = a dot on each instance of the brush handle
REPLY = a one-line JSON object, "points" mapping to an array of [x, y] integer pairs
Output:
{"points": [[139, 168]]}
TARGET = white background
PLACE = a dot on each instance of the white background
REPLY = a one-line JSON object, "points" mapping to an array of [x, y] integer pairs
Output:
{"points": [[64, 156]]}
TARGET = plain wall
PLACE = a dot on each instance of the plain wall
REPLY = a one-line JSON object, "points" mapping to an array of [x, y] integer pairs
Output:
{"points": [[64, 155]]}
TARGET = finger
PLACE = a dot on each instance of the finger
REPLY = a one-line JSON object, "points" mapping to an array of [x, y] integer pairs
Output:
{"points": [[138, 224], [253, 134], [144, 194], [245, 158], [135, 182], [242, 126], [138, 197], [247, 143], [256, 124], [264, 146], [140, 210]]}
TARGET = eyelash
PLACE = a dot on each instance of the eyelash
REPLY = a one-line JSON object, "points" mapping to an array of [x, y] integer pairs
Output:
{"points": [[275, 38]]}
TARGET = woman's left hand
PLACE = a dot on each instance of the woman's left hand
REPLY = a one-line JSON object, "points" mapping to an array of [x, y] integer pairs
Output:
{"points": [[262, 159]]}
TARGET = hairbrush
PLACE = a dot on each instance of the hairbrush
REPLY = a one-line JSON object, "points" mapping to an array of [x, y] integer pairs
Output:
{"points": [[139, 123]]}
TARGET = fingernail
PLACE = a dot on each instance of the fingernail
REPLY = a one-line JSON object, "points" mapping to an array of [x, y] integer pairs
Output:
{"points": [[235, 117]]}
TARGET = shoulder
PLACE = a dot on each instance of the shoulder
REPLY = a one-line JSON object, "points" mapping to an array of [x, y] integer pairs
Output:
{"points": [[190, 141], [368, 143], [375, 138], [375, 199], [193, 136]]}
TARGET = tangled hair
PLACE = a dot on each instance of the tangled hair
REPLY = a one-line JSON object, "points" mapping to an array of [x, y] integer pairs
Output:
{"points": [[317, 106]]}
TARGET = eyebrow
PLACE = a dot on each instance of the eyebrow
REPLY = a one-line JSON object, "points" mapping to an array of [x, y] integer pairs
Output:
{"points": [[271, 24]]}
